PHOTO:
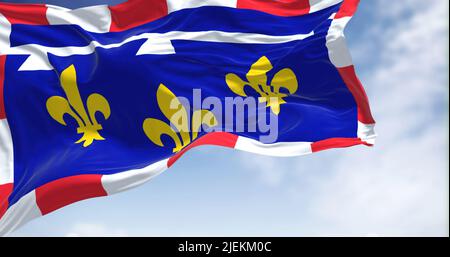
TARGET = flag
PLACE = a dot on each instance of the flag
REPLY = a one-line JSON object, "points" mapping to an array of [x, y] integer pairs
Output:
{"points": [[97, 100]]}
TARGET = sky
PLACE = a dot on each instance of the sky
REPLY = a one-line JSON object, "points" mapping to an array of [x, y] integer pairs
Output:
{"points": [[400, 187]]}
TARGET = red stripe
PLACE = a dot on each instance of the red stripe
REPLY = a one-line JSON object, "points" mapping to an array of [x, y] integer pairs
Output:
{"points": [[216, 138], [336, 143], [31, 14], [2, 81], [65, 191], [135, 13], [5, 191], [356, 88], [280, 7], [347, 9]]}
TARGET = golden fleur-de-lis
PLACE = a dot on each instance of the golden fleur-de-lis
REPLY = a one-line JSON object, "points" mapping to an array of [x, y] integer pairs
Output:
{"points": [[176, 113], [88, 125], [257, 79]]}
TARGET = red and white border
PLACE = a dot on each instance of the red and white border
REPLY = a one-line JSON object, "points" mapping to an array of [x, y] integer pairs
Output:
{"points": [[341, 59], [103, 18], [62, 192]]}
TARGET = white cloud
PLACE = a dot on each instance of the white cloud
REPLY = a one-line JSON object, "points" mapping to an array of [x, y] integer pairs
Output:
{"points": [[93, 230], [267, 169]]}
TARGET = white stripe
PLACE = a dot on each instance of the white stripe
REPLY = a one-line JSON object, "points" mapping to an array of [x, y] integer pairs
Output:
{"points": [[175, 5], [337, 47], [283, 149], [157, 43], [366, 132], [6, 154], [93, 18], [5, 31], [20, 213], [317, 5], [128, 179], [162, 43], [37, 61]]}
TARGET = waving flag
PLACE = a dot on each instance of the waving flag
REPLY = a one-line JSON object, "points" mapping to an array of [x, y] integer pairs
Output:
{"points": [[96, 100]]}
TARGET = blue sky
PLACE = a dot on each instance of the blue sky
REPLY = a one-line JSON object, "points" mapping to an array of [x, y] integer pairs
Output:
{"points": [[399, 187]]}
